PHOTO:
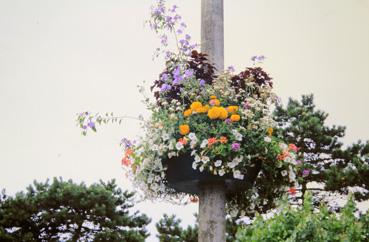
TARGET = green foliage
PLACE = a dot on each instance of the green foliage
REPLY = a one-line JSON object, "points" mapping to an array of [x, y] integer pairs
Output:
{"points": [[303, 224], [67, 211], [170, 230]]}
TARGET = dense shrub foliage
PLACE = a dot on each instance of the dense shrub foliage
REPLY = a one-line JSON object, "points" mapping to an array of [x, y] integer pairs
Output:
{"points": [[305, 224]]}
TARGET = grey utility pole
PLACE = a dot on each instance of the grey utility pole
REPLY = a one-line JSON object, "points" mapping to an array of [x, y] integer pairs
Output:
{"points": [[212, 197]]}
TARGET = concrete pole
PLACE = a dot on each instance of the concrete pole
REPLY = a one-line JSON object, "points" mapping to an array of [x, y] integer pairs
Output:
{"points": [[212, 31], [212, 221]]}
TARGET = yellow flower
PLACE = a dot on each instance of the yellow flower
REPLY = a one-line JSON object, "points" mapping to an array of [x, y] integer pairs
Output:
{"points": [[187, 113], [184, 129], [214, 112], [235, 117], [213, 97], [270, 131], [223, 113], [232, 109], [214, 102], [195, 106], [203, 109]]}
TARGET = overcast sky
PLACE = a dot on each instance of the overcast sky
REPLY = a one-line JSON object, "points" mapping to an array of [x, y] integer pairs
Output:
{"points": [[58, 58]]}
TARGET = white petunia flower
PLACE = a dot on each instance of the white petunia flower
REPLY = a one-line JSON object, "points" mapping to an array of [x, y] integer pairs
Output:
{"points": [[197, 159], [201, 169], [232, 164], [221, 172], [267, 139], [165, 137], [204, 143], [284, 173], [194, 165], [171, 154], [218, 163], [237, 174], [179, 146], [205, 159], [192, 136]]}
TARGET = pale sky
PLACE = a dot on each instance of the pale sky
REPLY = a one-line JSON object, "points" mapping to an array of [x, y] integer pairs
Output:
{"points": [[58, 58]]}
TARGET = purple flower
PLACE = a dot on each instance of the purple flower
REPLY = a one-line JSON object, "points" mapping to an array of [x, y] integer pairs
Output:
{"points": [[126, 143], [176, 72], [246, 105], [258, 58], [164, 77], [202, 82], [228, 121], [188, 37], [177, 80], [298, 162], [91, 124], [173, 9], [183, 25], [84, 127], [236, 146], [179, 31], [305, 172], [231, 69], [164, 40], [188, 73], [165, 87]]}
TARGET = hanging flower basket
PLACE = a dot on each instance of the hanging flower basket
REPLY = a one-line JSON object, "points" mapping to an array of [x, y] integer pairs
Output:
{"points": [[183, 178], [206, 126]]}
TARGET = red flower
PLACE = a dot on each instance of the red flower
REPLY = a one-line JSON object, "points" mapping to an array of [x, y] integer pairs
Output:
{"points": [[292, 191], [212, 141], [126, 161], [293, 147], [183, 141]]}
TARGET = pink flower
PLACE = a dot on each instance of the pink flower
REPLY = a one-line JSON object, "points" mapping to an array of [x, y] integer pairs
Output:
{"points": [[236, 146]]}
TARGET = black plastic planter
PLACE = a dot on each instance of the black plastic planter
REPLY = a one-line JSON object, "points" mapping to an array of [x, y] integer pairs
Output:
{"points": [[183, 178]]}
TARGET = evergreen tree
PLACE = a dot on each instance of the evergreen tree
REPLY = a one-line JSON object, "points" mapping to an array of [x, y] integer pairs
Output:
{"points": [[67, 211], [325, 159]]}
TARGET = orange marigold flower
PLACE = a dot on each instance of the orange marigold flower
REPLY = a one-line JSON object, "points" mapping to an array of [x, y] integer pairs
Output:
{"points": [[232, 109], [187, 113], [184, 129], [270, 131], [223, 113], [235, 117], [223, 140], [212, 141], [213, 97], [214, 113], [203, 109], [214, 102], [195, 106]]}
